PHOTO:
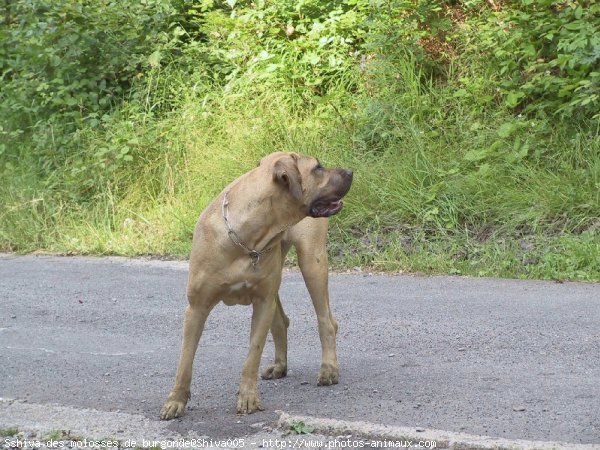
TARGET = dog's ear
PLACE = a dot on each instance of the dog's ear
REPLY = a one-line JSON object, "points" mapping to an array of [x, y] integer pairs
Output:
{"points": [[286, 172]]}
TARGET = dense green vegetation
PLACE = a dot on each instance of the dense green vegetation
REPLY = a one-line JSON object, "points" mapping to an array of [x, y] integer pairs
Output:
{"points": [[473, 126]]}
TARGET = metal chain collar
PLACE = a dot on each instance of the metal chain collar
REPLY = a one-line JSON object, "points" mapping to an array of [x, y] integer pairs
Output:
{"points": [[252, 253]]}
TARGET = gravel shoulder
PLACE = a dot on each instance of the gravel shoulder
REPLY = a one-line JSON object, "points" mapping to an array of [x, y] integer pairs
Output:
{"points": [[31, 426]]}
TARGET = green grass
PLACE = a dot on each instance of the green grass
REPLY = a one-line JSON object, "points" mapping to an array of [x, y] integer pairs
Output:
{"points": [[7, 432], [55, 435], [441, 184], [299, 427]]}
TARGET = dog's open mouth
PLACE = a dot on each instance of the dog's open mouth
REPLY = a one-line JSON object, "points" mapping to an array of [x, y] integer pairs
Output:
{"points": [[326, 207]]}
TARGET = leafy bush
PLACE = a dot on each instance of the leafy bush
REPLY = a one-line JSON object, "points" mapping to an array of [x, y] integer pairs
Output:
{"points": [[543, 55], [422, 28], [66, 62], [548, 55], [306, 46]]}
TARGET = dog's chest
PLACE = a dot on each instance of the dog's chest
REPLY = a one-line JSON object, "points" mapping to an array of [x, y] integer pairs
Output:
{"points": [[240, 293]]}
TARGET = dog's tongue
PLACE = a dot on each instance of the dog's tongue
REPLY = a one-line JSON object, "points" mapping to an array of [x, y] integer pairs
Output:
{"points": [[335, 206], [327, 209]]}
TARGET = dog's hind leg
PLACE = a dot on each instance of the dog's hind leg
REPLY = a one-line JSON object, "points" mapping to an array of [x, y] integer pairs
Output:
{"points": [[279, 328], [262, 317]]}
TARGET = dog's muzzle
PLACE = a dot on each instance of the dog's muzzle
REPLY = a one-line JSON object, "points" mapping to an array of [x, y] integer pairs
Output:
{"points": [[331, 204]]}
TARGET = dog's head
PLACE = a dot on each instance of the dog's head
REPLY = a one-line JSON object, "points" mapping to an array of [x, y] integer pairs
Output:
{"points": [[319, 191]]}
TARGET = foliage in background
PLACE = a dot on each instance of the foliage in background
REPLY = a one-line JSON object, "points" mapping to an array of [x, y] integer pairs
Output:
{"points": [[66, 66], [305, 46], [549, 55], [472, 125]]}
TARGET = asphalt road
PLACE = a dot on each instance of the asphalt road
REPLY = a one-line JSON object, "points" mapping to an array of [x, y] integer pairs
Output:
{"points": [[504, 358]]}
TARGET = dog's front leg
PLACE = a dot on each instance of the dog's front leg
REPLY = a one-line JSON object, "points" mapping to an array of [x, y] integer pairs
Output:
{"points": [[313, 266], [193, 324], [262, 317]]}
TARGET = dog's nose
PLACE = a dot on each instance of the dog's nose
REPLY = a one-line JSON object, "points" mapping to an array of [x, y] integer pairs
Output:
{"points": [[348, 173]]}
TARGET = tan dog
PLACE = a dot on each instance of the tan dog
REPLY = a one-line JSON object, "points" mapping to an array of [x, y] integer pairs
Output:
{"points": [[237, 257]]}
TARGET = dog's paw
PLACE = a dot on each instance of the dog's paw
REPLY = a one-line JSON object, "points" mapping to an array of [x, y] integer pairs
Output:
{"points": [[274, 371], [172, 409], [328, 375], [175, 405], [248, 402]]}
